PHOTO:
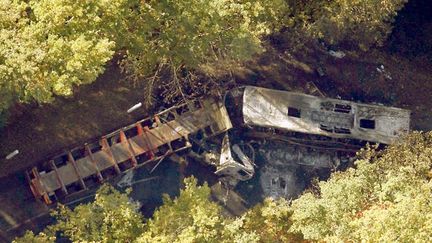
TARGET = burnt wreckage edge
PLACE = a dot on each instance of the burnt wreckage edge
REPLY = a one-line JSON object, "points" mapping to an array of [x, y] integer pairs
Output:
{"points": [[172, 131]]}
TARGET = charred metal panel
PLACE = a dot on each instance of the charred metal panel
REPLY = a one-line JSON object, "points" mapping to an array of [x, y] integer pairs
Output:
{"points": [[286, 167], [323, 116], [233, 171]]}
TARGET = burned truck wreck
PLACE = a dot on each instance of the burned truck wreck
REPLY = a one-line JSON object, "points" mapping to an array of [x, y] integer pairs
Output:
{"points": [[248, 131], [299, 132]]}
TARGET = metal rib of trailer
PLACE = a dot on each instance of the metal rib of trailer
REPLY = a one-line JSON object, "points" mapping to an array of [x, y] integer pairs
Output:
{"points": [[135, 145]]}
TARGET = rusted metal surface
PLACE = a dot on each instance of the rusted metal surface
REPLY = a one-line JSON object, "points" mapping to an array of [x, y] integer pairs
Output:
{"points": [[145, 141], [329, 117]]}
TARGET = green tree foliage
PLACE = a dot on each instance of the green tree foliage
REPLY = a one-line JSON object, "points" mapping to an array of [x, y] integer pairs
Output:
{"points": [[102, 19], [193, 32], [188, 34], [191, 217], [271, 221], [29, 237], [110, 218], [361, 23], [47, 47], [386, 198]]}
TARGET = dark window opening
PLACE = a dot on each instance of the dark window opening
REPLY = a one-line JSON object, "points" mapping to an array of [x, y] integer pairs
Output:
{"points": [[197, 104], [167, 116], [53, 197], [294, 112], [125, 165], [182, 109], [342, 108], [131, 132], [199, 135], [342, 130], [282, 183], [242, 173], [91, 180], [78, 153], [178, 144], [208, 131], [95, 147], [74, 187], [114, 139], [368, 124], [147, 123], [61, 160], [326, 128], [109, 172], [162, 150]]}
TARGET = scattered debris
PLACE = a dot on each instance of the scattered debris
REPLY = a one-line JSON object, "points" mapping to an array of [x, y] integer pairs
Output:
{"points": [[321, 71], [13, 154], [134, 107], [233, 170], [280, 182], [282, 173], [314, 90], [381, 70], [127, 179], [336, 54]]}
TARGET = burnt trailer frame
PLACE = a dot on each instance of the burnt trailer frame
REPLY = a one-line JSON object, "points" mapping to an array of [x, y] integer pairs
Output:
{"points": [[168, 132], [147, 140], [307, 114]]}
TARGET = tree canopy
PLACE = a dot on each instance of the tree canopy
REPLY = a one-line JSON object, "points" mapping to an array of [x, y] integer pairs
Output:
{"points": [[358, 23], [199, 218], [385, 198], [44, 52], [48, 47], [190, 217]]}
